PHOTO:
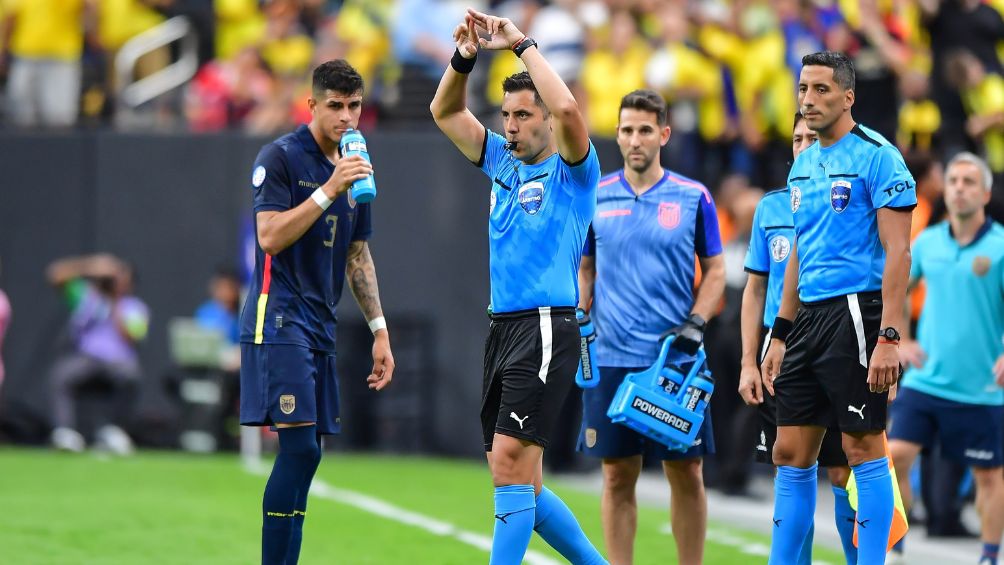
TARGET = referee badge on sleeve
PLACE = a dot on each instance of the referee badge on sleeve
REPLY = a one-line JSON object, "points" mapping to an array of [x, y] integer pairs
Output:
{"points": [[258, 176], [796, 198]]}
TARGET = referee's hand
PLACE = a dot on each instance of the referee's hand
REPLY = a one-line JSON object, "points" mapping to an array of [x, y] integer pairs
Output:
{"points": [[383, 361], [751, 385], [466, 37], [771, 366], [883, 370]]}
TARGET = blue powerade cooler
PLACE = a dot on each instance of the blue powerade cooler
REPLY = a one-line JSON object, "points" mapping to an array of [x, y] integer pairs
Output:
{"points": [[666, 402]]}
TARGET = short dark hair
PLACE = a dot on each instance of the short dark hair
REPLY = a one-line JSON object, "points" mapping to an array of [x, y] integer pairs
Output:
{"points": [[646, 101], [337, 75], [798, 117], [522, 81], [843, 68]]}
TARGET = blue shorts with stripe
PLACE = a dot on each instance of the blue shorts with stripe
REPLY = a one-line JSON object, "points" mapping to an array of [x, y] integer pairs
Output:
{"points": [[286, 384], [600, 437], [971, 434]]}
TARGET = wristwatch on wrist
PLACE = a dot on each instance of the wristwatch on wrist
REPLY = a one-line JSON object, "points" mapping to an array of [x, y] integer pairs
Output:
{"points": [[889, 334]]}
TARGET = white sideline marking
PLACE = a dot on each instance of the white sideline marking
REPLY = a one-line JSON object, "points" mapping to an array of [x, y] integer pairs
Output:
{"points": [[387, 510]]}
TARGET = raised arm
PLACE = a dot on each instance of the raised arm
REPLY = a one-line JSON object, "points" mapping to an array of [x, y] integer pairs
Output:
{"points": [[570, 126], [449, 106]]}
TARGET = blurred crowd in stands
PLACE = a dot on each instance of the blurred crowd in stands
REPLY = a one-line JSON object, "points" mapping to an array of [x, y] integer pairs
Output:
{"points": [[929, 71]]}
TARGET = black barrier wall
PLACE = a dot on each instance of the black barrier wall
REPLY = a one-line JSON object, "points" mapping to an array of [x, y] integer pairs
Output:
{"points": [[173, 204]]}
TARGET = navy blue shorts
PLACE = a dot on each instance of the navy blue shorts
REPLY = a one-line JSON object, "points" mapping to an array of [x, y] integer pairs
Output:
{"points": [[286, 384], [971, 434], [600, 437]]}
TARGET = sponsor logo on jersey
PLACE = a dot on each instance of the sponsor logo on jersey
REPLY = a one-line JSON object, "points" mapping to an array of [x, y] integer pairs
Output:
{"points": [[780, 246], [669, 214], [531, 197], [840, 195]]}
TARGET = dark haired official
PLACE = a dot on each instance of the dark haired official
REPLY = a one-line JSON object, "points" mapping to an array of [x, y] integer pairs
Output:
{"points": [[851, 197], [311, 237], [543, 195]]}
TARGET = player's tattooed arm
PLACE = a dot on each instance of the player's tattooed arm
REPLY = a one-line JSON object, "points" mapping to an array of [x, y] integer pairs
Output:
{"points": [[361, 274]]}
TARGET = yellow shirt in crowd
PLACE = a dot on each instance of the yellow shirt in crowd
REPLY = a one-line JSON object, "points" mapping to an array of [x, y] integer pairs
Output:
{"points": [[47, 29]]}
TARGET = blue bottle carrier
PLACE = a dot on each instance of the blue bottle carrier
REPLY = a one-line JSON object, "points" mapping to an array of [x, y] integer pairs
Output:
{"points": [[666, 402]]}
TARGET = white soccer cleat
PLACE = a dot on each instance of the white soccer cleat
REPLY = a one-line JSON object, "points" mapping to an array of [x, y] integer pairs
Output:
{"points": [[67, 439], [115, 440]]}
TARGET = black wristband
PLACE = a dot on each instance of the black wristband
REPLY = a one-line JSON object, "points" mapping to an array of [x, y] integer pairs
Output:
{"points": [[782, 327], [699, 322], [522, 45], [462, 65]]}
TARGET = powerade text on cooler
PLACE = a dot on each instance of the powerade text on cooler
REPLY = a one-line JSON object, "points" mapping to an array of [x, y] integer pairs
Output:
{"points": [[588, 374]]}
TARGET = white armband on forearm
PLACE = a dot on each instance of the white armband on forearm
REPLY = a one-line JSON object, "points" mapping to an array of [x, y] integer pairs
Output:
{"points": [[377, 324], [321, 199]]}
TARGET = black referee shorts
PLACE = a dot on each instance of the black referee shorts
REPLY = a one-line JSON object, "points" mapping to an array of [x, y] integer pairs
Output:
{"points": [[530, 361], [831, 453], [825, 370]]}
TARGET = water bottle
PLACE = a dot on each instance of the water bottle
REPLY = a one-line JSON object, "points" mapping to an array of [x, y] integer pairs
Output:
{"points": [[699, 391], [363, 190], [671, 379], [588, 375]]}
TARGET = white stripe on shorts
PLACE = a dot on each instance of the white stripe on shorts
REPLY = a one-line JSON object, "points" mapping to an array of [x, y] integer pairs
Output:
{"points": [[859, 328], [766, 344], [545, 342]]}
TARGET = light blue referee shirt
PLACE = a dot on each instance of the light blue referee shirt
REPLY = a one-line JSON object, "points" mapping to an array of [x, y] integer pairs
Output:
{"points": [[770, 247], [962, 322], [834, 193], [538, 219]]}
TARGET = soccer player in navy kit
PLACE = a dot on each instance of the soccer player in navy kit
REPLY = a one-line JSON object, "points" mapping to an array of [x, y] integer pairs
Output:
{"points": [[770, 245], [543, 194], [311, 236], [851, 197], [637, 279]]}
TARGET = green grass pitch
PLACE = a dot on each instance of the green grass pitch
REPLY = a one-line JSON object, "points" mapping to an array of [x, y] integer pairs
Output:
{"points": [[169, 508]]}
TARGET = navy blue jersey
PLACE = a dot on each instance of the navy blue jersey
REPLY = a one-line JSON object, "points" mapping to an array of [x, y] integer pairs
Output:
{"points": [[834, 193], [293, 295], [538, 218], [770, 247], [644, 247]]}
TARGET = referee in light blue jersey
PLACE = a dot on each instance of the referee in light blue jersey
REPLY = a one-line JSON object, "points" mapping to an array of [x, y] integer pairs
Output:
{"points": [[543, 175], [851, 197], [637, 280], [770, 246], [952, 394]]}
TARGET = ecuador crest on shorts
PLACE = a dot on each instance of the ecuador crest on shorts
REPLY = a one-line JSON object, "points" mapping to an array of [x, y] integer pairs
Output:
{"points": [[287, 403]]}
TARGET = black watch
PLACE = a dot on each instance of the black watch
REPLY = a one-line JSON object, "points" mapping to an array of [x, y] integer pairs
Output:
{"points": [[889, 333], [522, 45]]}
